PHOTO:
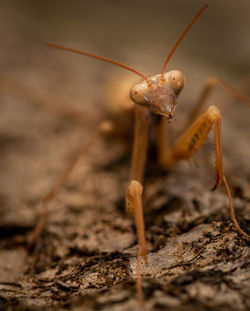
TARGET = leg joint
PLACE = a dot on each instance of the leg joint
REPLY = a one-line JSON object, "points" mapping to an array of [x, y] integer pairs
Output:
{"points": [[214, 113], [134, 190], [211, 81]]}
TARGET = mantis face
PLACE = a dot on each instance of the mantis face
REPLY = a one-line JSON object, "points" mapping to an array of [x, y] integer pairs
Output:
{"points": [[159, 93]]}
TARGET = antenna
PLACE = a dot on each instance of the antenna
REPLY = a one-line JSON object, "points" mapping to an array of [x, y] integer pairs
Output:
{"points": [[105, 59], [182, 36]]}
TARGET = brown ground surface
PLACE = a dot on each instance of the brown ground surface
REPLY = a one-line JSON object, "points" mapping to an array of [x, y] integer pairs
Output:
{"points": [[86, 256]]}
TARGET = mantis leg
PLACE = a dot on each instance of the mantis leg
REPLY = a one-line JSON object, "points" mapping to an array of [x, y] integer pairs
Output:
{"points": [[135, 189], [105, 127], [192, 140], [210, 84], [162, 140]]}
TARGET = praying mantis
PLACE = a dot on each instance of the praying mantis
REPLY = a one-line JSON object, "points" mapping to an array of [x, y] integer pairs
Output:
{"points": [[157, 95]]}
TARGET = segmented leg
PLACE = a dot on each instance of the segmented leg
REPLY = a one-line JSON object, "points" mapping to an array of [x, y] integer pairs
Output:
{"points": [[210, 84], [134, 191], [105, 127], [162, 140], [192, 140], [140, 144], [134, 200]]}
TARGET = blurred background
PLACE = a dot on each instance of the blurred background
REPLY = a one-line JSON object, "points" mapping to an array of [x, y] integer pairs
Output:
{"points": [[138, 33]]}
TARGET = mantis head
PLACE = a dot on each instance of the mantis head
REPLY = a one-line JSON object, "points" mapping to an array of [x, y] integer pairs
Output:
{"points": [[159, 93]]}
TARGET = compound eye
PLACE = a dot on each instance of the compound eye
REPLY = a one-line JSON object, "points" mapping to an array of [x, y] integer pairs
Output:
{"points": [[135, 94], [176, 81]]}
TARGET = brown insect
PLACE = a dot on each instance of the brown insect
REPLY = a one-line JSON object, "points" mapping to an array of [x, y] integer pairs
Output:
{"points": [[157, 94]]}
